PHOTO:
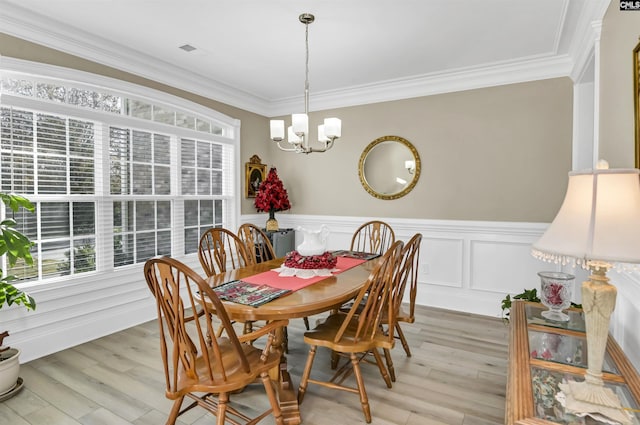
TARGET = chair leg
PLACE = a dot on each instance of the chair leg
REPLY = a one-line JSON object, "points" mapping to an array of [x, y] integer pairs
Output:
{"points": [[405, 344], [223, 400], [383, 369], [273, 399], [285, 340], [306, 322], [175, 411], [334, 360], [304, 380], [219, 332], [364, 401]]}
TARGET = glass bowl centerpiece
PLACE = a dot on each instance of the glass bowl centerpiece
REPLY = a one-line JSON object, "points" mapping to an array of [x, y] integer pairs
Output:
{"points": [[556, 290]]}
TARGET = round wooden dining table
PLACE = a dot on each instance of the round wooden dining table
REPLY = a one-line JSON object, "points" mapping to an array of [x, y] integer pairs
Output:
{"points": [[324, 295]]}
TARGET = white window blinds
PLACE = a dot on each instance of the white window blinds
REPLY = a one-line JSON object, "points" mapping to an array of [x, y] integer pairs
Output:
{"points": [[115, 180]]}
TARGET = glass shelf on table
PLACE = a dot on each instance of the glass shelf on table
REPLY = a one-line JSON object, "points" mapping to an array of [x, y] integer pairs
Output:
{"points": [[546, 406], [564, 349], [534, 316]]}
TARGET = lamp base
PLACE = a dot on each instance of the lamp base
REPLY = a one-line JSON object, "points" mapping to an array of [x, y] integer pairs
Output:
{"points": [[586, 397], [591, 396]]}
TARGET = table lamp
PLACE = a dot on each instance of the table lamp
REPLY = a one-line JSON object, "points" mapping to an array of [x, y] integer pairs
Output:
{"points": [[597, 227]]}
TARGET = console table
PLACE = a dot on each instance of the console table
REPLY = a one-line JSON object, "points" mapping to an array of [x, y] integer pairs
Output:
{"points": [[543, 353]]}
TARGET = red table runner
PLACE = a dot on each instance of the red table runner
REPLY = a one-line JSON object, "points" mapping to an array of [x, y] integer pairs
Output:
{"points": [[294, 283]]}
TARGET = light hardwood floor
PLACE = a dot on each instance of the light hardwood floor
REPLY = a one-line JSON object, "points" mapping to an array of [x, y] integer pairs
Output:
{"points": [[456, 376]]}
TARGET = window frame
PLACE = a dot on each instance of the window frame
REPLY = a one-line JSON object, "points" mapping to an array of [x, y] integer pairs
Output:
{"points": [[102, 197]]}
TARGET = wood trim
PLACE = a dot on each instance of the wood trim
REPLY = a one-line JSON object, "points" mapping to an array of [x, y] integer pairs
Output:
{"points": [[519, 409], [519, 404]]}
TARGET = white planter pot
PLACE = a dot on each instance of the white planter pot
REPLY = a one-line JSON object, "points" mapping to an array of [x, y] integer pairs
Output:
{"points": [[9, 369]]}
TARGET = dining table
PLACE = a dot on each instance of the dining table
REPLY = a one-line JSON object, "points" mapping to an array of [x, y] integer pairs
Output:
{"points": [[323, 295]]}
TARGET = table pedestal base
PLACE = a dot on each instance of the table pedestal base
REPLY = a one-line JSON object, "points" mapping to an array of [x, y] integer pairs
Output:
{"points": [[288, 399]]}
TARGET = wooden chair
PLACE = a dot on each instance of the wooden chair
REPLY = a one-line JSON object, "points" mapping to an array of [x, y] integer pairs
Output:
{"points": [[206, 370], [220, 249], [374, 236], [259, 249], [406, 274], [357, 333], [256, 243]]}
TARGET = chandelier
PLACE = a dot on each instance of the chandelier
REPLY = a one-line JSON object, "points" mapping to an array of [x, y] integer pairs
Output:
{"points": [[298, 132]]}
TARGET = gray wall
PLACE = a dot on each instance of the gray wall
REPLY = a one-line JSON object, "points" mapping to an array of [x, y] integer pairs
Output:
{"points": [[499, 153], [620, 31]]}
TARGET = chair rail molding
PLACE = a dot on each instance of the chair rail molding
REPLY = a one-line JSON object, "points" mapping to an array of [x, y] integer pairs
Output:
{"points": [[465, 266]]}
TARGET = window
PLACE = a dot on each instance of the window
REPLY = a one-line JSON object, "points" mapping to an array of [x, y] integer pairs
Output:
{"points": [[113, 173], [202, 176], [53, 157]]}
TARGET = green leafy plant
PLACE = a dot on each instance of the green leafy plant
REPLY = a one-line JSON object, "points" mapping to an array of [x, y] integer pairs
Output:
{"points": [[526, 295], [16, 246]]}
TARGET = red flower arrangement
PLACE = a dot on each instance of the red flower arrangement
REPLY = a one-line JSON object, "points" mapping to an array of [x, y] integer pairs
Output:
{"points": [[272, 196], [294, 260]]}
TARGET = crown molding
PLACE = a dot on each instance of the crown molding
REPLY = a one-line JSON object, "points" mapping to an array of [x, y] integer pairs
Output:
{"points": [[430, 84], [587, 34], [18, 22]]}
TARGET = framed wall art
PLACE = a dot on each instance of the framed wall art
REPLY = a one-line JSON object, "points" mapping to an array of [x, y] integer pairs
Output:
{"points": [[255, 173]]}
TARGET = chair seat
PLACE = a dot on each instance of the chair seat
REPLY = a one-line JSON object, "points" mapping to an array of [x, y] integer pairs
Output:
{"points": [[404, 316], [324, 335], [235, 377]]}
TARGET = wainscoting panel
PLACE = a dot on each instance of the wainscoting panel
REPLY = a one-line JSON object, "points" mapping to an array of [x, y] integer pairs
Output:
{"points": [[442, 262], [625, 320], [465, 266], [499, 266], [72, 311]]}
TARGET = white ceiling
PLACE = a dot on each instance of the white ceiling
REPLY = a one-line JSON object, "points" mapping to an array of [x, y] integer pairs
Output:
{"points": [[250, 53]]}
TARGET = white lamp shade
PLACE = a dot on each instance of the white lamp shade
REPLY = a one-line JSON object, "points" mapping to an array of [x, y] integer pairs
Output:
{"points": [[277, 130], [599, 219], [300, 124], [292, 137], [322, 137], [332, 127]]}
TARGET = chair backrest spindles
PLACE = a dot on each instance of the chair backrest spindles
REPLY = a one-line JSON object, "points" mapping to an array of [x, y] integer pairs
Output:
{"points": [[408, 273], [256, 243], [219, 250], [184, 337], [378, 294], [374, 236]]}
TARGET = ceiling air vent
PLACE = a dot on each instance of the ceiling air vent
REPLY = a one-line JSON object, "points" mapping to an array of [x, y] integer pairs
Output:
{"points": [[187, 48]]}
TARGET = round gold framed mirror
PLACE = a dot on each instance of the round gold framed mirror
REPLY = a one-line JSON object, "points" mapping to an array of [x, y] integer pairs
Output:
{"points": [[389, 167]]}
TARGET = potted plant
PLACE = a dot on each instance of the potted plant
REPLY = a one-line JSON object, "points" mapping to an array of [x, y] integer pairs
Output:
{"points": [[16, 246], [526, 295], [272, 197]]}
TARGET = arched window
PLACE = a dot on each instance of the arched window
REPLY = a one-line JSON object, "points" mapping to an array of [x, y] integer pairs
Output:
{"points": [[118, 172]]}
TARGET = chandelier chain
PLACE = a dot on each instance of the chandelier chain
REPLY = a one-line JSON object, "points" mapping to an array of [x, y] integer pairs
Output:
{"points": [[306, 71]]}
